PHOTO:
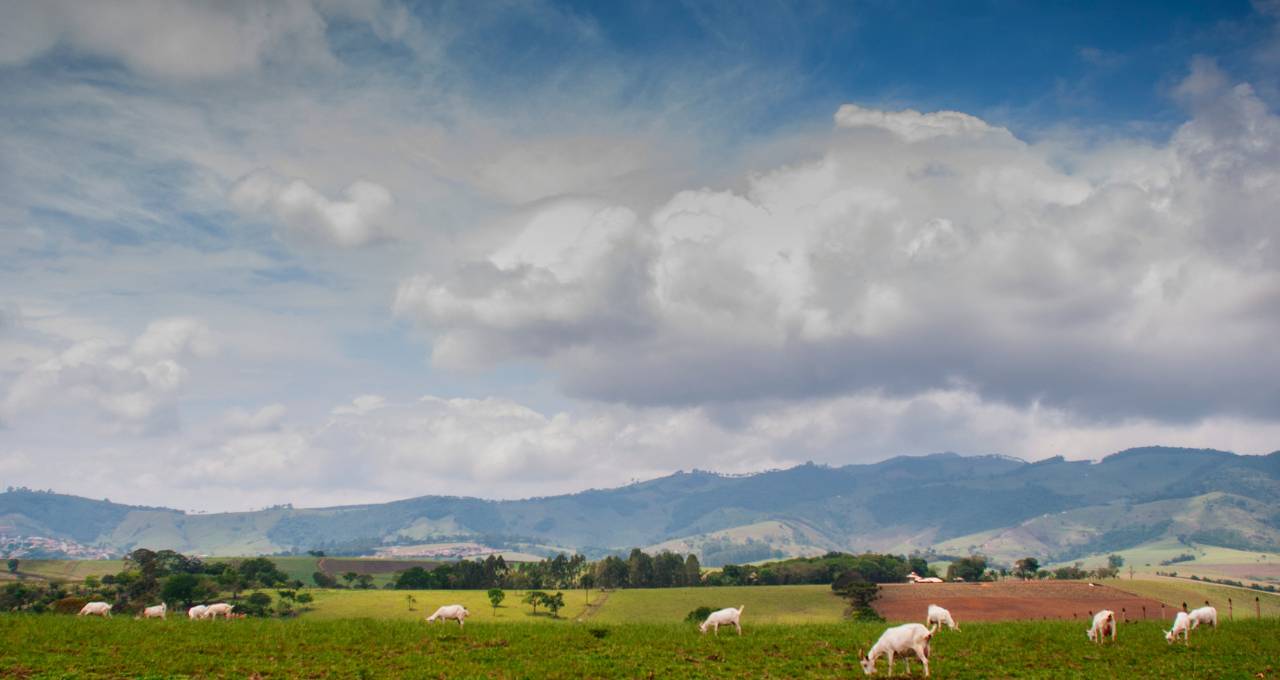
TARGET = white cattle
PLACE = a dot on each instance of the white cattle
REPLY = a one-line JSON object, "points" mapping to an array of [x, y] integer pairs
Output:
{"points": [[221, 608], [198, 612], [455, 612], [723, 617], [939, 616], [916, 578], [96, 609], [1181, 624], [160, 611], [898, 640], [1206, 615], [1104, 624]]}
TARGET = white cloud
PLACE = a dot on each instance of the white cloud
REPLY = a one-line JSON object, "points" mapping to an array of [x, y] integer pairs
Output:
{"points": [[131, 388], [355, 220], [948, 253]]}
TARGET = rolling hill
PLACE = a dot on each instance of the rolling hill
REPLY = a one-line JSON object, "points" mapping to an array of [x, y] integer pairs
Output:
{"points": [[1055, 509]]}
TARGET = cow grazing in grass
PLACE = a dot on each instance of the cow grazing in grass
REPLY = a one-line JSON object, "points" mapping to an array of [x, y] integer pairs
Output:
{"points": [[1104, 624], [198, 612], [897, 641], [222, 608], [723, 617], [1206, 615], [160, 611], [96, 609], [939, 616], [449, 612], [1181, 625]]}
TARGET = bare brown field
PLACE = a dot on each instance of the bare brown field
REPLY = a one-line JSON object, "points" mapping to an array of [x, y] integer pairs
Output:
{"points": [[1013, 601]]}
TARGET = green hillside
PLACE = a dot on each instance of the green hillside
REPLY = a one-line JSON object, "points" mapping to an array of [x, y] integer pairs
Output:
{"points": [[1054, 509]]}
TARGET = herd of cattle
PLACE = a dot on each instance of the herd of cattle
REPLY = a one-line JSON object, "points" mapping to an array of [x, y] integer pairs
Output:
{"points": [[896, 641], [161, 611]]}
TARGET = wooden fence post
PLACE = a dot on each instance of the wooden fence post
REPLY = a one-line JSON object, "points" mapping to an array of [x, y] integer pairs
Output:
{"points": [[1257, 606], [1144, 611], [1231, 611]]}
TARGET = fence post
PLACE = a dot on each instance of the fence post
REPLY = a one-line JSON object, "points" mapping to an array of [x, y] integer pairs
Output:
{"points": [[1161, 611], [1144, 612], [1257, 606], [1231, 611], [1184, 605], [1124, 615]]}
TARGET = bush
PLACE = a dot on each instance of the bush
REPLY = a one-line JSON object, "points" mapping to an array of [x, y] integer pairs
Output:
{"points": [[69, 605], [699, 615]]}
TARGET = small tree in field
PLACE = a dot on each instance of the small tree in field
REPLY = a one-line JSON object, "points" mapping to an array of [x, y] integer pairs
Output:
{"points": [[587, 582], [1115, 561], [496, 596], [553, 603], [409, 599], [13, 565], [533, 598], [1026, 567]]}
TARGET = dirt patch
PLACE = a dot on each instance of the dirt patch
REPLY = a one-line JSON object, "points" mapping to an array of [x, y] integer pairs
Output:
{"points": [[1013, 601], [338, 566]]}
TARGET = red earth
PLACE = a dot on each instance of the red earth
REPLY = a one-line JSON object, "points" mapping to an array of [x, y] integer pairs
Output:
{"points": [[1014, 601]]}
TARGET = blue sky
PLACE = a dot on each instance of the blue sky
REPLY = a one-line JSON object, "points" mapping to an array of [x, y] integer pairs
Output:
{"points": [[324, 252]]}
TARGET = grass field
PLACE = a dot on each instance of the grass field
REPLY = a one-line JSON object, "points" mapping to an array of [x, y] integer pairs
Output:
{"points": [[68, 570], [392, 605], [765, 604], [1174, 592], [69, 647]]}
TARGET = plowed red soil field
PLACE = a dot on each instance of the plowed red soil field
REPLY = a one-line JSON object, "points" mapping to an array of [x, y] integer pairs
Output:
{"points": [[1013, 601]]}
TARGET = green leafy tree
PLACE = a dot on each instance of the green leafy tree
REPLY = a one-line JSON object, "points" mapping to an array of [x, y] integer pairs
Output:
{"points": [[1026, 567], [587, 581], [410, 600], [972, 568], [180, 588], [257, 604], [533, 598], [553, 603], [860, 592], [692, 570], [496, 596], [350, 577], [324, 580], [13, 565], [364, 581], [1115, 561], [415, 578]]}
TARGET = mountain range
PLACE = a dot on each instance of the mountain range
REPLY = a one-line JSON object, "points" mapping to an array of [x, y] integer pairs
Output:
{"points": [[1054, 509]]}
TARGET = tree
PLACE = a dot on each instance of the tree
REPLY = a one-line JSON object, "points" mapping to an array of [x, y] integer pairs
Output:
{"points": [[553, 603], [1026, 567], [533, 598], [13, 565], [364, 581], [860, 593], [414, 578], [587, 581], [410, 599], [496, 596], [639, 569], [692, 570], [970, 568], [324, 580], [350, 577], [180, 588], [1115, 561]]}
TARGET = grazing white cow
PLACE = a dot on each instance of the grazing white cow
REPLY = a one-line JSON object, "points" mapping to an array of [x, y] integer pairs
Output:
{"points": [[939, 616], [915, 578], [898, 640], [96, 609], [1181, 624], [723, 617], [451, 611], [221, 608], [198, 612], [160, 611], [1104, 624], [1206, 615]]}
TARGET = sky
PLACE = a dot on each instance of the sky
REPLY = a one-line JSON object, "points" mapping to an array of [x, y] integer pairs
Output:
{"points": [[321, 252]]}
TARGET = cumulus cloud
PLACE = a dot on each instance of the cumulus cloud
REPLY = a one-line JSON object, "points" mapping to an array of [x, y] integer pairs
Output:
{"points": [[133, 388], [356, 219], [1132, 280]]}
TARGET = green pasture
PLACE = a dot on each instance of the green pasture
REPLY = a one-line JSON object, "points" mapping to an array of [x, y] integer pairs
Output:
{"points": [[395, 605], [71, 647], [764, 604], [1175, 591]]}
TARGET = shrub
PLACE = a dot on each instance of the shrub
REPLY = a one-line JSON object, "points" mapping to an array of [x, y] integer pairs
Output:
{"points": [[69, 605], [699, 615]]}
